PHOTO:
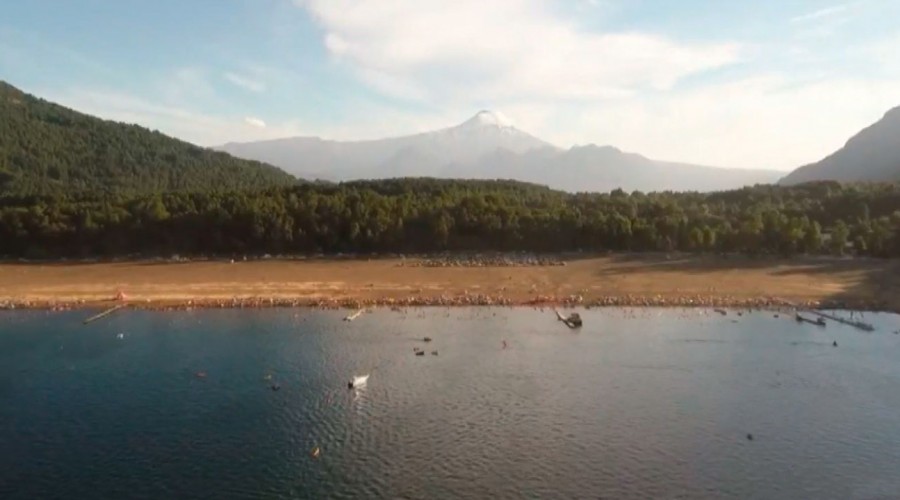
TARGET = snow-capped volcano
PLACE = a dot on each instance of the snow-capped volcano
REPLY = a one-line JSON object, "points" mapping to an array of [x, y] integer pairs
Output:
{"points": [[415, 155], [486, 118], [488, 145]]}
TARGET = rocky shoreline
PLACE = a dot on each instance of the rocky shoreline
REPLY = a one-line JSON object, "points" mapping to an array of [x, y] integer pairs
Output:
{"points": [[464, 300], [484, 261]]}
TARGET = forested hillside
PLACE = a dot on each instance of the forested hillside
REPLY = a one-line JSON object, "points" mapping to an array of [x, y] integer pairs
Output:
{"points": [[425, 215], [47, 149]]}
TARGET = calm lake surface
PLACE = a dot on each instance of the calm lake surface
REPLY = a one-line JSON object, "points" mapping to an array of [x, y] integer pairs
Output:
{"points": [[640, 403]]}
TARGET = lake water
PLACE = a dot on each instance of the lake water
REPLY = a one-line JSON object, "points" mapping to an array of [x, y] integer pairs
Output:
{"points": [[642, 403]]}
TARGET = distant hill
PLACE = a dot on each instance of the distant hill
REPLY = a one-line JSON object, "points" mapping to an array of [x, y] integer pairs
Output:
{"points": [[488, 146], [872, 155], [604, 168], [46, 148]]}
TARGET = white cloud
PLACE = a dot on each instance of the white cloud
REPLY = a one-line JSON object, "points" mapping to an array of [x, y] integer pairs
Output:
{"points": [[176, 121], [826, 21], [437, 50], [186, 84], [254, 122], [883, 53], [767, 121], [821, 13], [245, 82]]}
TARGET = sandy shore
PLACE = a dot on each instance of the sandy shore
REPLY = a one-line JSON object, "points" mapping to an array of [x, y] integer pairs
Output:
{"points": [[627, 280]]}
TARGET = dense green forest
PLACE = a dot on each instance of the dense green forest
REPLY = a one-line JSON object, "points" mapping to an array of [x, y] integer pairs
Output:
{"points": [[428, 215], [49, 149]]}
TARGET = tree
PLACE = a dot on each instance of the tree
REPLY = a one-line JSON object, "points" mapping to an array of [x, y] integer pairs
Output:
{"points": [[709, 237], [839, 236], [812, 238], [425, 215]]}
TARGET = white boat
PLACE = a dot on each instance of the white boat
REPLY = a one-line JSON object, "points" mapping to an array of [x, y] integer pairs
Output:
{"points": [[358, 381]]}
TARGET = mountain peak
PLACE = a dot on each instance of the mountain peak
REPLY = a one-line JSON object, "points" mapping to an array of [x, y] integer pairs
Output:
{"points": [[487, 118]]}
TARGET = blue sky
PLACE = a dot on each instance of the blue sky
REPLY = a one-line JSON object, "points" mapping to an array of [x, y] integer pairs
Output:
{"points": [[769, 84]]}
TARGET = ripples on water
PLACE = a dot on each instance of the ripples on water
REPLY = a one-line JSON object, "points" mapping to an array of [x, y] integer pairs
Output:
{"points": [[637, 404]]}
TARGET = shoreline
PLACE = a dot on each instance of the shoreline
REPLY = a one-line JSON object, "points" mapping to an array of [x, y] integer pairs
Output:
{"points": [[628, 280], [263, 303], [692, 302]]}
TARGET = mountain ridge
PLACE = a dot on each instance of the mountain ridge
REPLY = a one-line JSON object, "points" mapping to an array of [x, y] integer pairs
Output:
{"points": [[487, 146], [871, 155], [46, 148]]}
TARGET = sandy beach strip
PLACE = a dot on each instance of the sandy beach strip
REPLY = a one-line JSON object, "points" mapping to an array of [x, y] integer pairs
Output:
{"points": [[618, 280]]}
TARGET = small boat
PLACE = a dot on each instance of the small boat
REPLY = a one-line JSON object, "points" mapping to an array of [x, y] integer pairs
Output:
{"points": [[275, 387], [358, 382], [354, 315], [315, 452], [427, 339], [572, 321], [420, 353], [434, 353], [200, 374]]}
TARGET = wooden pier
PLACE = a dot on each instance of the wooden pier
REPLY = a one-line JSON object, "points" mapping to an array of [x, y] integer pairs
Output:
{"points": [[857, 324]]}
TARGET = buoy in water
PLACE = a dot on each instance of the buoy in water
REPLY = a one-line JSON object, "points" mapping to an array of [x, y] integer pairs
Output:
{"points": [[275, 387], [834, 344], [315, 452], [749, 437]]}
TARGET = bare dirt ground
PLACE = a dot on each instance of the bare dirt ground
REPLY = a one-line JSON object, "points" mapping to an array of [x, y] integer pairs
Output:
{"points": [[611, 280]]}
